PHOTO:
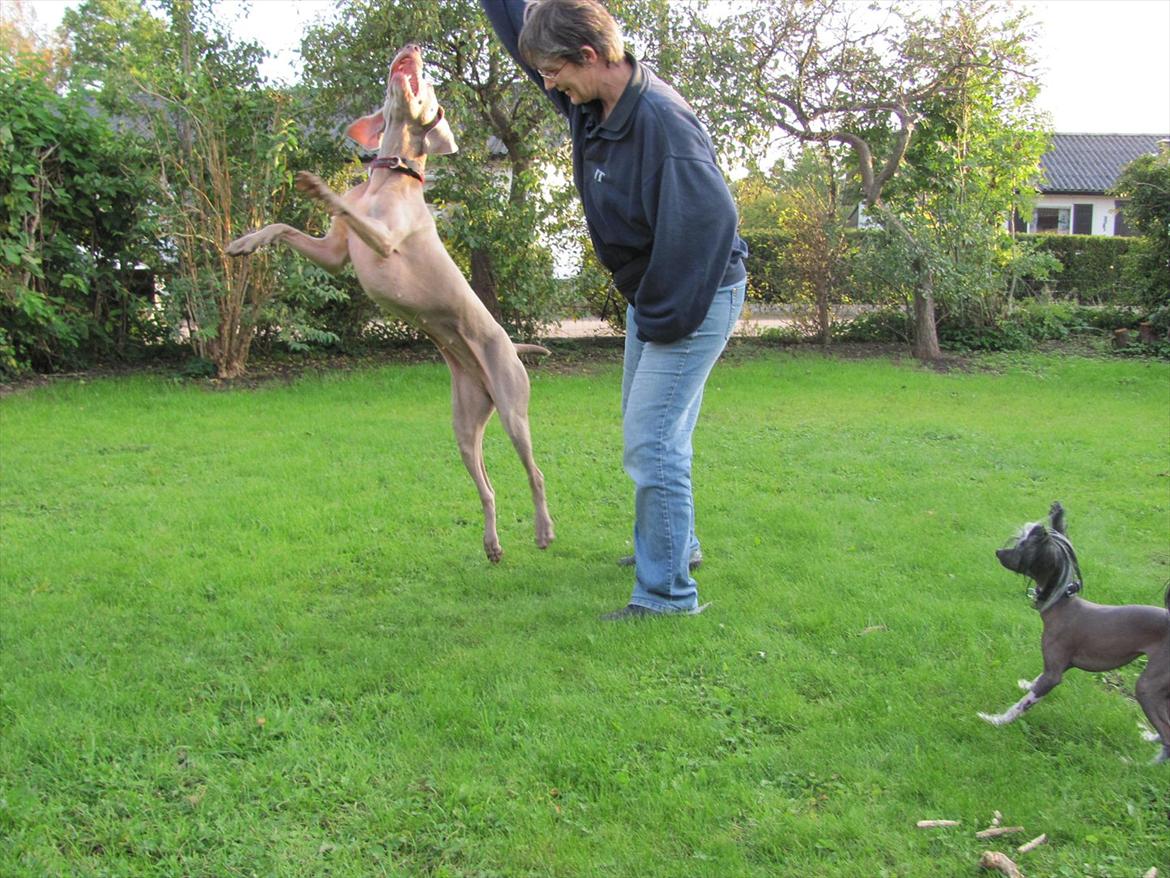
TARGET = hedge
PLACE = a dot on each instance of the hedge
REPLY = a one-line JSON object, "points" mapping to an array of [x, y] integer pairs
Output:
{"points": [[1092, 271], [769, 275], [1092, 267]]}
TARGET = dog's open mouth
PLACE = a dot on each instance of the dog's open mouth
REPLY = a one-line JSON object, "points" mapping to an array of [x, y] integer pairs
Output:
{"points": [[407, 70]]}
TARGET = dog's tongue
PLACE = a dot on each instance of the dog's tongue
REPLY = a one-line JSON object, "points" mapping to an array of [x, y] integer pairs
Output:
{"points": [[407, 75], [406, 83]]}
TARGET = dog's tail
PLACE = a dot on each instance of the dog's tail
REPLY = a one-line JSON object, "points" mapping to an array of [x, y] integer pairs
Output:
{"points": [[533, 349]]}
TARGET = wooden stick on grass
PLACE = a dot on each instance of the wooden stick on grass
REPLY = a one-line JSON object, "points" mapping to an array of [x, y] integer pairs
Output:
{"points": [[996, 831], [1033, 844], [996, 860]]}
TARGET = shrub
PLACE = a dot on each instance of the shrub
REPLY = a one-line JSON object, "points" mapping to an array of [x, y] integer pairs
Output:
{"points": [[1092, 268], [1020, 328], [886, 324], [770, 277], [73, 227], [1145, 185]]}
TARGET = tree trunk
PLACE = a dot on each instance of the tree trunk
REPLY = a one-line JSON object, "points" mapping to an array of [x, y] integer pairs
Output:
{"points": [[824, 317], [483, 281], [925, 331], [925, 345]]}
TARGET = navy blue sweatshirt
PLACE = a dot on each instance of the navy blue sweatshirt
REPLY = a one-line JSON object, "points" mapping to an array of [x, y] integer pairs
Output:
{"points": [[658, 210]]}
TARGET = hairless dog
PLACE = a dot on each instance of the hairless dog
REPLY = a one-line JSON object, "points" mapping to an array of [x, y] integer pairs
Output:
{"points": [[383, 226], [1081, 634]]}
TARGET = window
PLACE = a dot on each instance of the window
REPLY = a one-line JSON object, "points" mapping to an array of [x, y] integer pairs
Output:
{"points": [[1082, 219], [1120, 226], [1053, 220]]}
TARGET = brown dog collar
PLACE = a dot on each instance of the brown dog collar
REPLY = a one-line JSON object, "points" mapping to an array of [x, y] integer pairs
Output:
{"points": [[396, 163], [435, 121]]}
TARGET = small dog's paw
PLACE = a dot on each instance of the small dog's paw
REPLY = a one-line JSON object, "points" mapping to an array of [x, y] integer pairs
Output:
{"points": [[1024, 684], [994, 719]]}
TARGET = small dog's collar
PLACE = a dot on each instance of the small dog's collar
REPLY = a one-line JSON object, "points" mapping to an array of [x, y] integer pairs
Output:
{"points": [[1058, 594], [396, 163]]}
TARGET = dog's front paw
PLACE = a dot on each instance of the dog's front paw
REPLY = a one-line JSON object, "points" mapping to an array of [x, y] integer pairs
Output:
{"points": [[253, 241], [315, 187], [242, 246], [312, 185]]}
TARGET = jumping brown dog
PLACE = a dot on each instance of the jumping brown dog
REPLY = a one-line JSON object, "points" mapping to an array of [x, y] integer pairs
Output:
{"points": [[383, 226]]}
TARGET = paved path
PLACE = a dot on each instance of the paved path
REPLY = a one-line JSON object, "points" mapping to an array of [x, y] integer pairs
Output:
{"points": [[591, 327]]}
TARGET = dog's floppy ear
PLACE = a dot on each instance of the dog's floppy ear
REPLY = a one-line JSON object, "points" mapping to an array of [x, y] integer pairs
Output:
{"points": [[367, 131], [439, 140], [1056, 517]]}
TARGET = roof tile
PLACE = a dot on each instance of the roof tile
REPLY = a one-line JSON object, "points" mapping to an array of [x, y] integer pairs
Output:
{"points": [[1091, 163]]}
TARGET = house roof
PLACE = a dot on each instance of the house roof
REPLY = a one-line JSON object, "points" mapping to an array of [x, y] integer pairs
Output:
{"points": [[1091, 163]]}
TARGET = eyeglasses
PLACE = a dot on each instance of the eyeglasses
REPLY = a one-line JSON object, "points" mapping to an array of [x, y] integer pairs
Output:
{"points": [[552, 74]]}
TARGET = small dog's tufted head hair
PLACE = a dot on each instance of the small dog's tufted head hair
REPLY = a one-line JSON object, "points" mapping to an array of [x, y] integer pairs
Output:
{"points": [[1043, 554]]}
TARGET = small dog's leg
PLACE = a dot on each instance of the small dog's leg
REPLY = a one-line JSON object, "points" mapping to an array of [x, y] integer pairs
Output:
{"points": [[1037, 690], [1153, 694], [1026, 685], [1013, 713]]}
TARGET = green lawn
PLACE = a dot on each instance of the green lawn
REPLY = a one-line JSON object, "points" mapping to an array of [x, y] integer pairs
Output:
{"points": [[254, 633]]}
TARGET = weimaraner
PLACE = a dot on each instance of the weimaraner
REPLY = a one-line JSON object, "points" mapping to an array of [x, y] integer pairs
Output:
{"points": [[384, 227]]}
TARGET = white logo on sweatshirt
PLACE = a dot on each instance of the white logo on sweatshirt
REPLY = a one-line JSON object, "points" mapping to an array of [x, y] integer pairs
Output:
{"points": [[599, 175]]}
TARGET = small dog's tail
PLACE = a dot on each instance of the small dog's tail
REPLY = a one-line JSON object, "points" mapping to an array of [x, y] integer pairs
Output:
{"points": [[536, 349]]}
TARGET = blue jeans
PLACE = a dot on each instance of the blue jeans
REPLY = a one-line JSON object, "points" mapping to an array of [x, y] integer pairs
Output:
{"points": [[662, 390]]}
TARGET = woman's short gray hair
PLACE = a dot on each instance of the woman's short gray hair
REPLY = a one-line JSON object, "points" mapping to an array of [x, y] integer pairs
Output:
{"points": [[557, 29]]}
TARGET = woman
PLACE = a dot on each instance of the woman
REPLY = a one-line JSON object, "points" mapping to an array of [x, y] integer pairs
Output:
{"points": [[664, 223]]}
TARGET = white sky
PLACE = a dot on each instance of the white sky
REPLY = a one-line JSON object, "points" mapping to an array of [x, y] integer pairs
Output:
{"points": [[1105, 63]]}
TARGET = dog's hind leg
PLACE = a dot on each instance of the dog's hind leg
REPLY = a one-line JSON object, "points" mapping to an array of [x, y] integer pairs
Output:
{"points": [[511, 389], [471, 407], [1153, 694]]}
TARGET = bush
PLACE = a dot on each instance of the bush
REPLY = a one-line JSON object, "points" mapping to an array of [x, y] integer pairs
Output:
{"points": [[773, 279], [1092, 272], [1145, 186], [1027, 324], [770, 277], [887, 324], [74, 197]]}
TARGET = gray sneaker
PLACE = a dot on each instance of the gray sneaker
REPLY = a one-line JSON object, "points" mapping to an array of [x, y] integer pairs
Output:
{"points": [[629, 611], [635, 611], [695, 563]]}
